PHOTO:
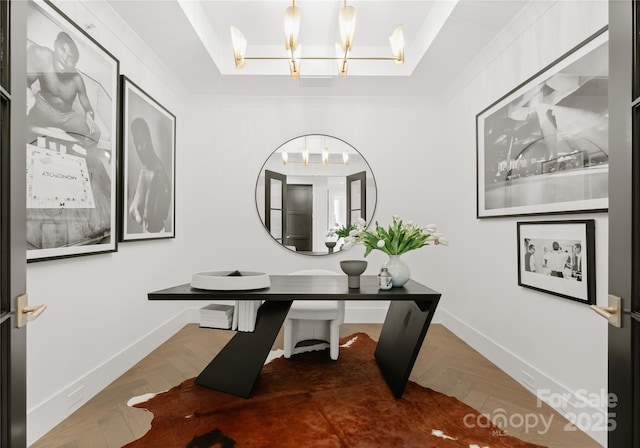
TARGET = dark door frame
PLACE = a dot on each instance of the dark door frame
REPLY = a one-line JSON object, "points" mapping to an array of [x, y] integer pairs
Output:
{"points": [[624, 214], [13, 234], [268, 176]]}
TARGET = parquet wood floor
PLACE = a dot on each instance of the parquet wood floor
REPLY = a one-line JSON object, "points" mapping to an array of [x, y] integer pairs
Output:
{"points": [[445, 364]]}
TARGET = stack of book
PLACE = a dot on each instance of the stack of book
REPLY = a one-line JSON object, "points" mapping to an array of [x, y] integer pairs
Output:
{"points": [[216, 316]]}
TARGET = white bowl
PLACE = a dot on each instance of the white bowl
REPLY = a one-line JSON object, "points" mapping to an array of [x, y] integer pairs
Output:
{"points": [[222, 281]]}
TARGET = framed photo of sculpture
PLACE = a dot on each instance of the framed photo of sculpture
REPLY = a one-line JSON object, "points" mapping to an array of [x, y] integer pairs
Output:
{"points": [[72, 138], [558, 257], [148, 166], [543, 147]]}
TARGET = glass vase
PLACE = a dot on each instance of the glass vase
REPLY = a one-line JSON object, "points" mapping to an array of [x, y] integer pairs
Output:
{"points": [[399, 270]]}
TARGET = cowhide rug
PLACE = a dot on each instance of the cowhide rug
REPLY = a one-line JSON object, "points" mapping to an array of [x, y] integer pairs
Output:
{"points": [[310, 401]]}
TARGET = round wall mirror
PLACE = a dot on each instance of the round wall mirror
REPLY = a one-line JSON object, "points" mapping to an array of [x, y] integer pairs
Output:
{"points": [[312, 188]]}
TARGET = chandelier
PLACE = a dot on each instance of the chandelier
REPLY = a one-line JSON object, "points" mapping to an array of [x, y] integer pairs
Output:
{"points": [[347, 21], [305, 155]]}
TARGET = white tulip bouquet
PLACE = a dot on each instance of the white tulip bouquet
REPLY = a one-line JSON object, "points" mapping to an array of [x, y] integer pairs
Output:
{"points": [[397, 239]]}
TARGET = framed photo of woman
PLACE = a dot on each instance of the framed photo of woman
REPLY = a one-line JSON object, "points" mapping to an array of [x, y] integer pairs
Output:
{"points": [[148, 166]]}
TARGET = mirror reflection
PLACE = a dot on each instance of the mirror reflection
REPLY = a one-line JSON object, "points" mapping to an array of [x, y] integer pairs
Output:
{"points": [[311, 189]]}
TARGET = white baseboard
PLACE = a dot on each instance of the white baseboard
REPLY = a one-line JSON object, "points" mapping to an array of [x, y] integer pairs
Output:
{"points": [[365, 315], [46, 415], [572, 404]]}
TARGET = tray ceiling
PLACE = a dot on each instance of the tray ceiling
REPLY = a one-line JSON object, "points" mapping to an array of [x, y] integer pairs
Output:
{"points": [[192, 39]]}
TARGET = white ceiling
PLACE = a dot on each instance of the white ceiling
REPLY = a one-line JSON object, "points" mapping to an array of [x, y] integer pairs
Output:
{"points": [[192, 38]]}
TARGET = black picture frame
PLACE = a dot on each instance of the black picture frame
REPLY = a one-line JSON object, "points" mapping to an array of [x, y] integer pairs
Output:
{"points": [[72, 138], [543, 147], [147, 203], [558, 257]]}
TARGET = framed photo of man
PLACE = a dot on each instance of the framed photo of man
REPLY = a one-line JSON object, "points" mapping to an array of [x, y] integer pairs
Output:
{"points": [[72, 138], [558, 257], [148, 156]]}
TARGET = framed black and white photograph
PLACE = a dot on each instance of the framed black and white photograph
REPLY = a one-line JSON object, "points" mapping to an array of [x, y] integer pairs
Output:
{"points": [[543, 147], [72, 137], [558, 257], [148, 157]]}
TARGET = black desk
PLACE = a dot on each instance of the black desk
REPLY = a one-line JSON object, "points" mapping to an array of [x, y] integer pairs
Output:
{"points": [[237, 367]]}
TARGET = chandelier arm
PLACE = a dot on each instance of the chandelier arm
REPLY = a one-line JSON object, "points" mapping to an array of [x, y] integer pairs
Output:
{"points": [[351, 58], [319, 58]]}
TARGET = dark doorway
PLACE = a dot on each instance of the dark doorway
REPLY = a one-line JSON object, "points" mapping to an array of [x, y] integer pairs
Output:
{"points": [[356, 197], [299, 222]]}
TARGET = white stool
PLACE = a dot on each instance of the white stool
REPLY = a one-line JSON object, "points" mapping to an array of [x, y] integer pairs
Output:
{"points": [[316, 321]]}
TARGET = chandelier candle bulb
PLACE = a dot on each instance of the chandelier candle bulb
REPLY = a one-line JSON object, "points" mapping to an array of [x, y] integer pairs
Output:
{"points": [[397, 45], [291, 27], [239, 46], [347, 26]]}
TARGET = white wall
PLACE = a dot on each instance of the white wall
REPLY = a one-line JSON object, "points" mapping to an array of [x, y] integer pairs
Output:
{"points": [[562, 344], [99, 321], [242, 133]]}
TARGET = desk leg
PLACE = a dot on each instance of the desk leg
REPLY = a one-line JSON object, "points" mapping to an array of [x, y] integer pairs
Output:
{"points": [[236, 368], [403, 332]]}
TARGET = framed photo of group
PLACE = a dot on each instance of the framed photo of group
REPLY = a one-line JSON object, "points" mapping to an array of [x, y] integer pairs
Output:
{"points": [[543, 147], [72, 138], [148, 171], [558, 257]]}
